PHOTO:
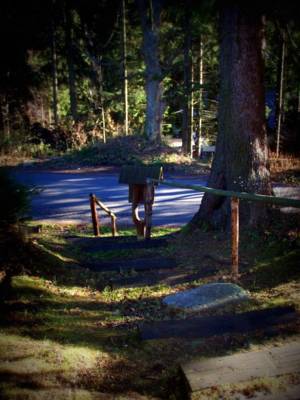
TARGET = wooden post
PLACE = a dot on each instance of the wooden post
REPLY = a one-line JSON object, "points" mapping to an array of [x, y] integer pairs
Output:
{"points": [[111, 214], [234, 236], [113, 224], [139, 224], [94, 215], [149, 197], [137, 193]]}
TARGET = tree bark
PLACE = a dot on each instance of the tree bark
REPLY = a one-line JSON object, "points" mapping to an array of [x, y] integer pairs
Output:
{"points": [[70, 62], [96, 78], [153, 74], [54, 70], [200, 102], [186, 120], [280, 93], [240, 161], [5, 116], [125, 74], [191, 113]]}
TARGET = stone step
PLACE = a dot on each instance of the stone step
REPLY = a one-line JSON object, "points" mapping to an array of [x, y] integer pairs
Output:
{"points": [[118, 243], [243, 367], [138, 264], [202, 327]]}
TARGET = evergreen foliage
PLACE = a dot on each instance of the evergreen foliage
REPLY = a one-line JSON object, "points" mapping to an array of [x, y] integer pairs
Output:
{"points": [[89, 59]]}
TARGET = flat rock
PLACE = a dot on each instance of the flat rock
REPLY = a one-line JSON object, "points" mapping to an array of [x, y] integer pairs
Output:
{"points": [[206, 296]]}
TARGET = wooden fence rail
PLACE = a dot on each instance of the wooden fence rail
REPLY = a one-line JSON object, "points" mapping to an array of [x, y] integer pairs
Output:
{"points": [[96, 225], [235, 196], [279, 201]]}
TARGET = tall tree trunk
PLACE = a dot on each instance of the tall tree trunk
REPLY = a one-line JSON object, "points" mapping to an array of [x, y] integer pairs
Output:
{"points": [[125, 74], [70, 61], [153, 73], [54, 70], [102, 105], [96, 78], [101, 97], [240, 161], [280, 93], [42, 110], [5, 116], [97, 93], [200, 101], [186, 128], [191, 113]]}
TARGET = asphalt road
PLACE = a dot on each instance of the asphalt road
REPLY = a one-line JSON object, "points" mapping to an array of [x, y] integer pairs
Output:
{"points": [[64, 197]]}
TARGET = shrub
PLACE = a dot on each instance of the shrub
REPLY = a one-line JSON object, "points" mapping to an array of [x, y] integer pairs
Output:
{"points": [[14, 199]]}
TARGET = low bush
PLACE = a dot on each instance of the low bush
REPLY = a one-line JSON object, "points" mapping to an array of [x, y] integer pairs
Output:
{"points": [[14, 199]]}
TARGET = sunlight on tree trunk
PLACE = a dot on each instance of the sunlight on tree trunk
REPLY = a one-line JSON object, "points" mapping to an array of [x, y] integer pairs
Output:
{"points": [[186, 120], [125, 73], [240, 162], [154, 85], [280, 94], [200, 101], [191, 113]]}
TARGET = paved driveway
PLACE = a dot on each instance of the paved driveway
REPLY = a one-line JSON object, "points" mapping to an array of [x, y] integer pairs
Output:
{"points": [[64, 197]]}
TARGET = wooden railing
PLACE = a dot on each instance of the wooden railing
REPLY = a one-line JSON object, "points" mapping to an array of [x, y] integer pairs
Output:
{"points": [[235, 196], [96, 220]]}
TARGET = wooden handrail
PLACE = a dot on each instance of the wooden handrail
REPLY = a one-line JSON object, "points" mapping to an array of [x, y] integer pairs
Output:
{"points": [[279, 201], [235, 196], [95, 219]]}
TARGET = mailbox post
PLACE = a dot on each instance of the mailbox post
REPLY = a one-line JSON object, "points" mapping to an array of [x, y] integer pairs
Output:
{"points": [[141, 191]]}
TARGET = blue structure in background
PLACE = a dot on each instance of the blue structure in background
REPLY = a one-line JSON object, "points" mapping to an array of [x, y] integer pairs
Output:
{"points": [[271, 104]]}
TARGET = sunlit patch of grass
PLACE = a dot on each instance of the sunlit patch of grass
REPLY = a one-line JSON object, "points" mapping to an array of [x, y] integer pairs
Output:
{"points": [[65, 315], [59, 231], [57, 394], [42, 363]]}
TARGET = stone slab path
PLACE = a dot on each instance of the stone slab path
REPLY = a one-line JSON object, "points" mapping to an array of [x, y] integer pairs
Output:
{"points": [[202, 327], [242, 367]]}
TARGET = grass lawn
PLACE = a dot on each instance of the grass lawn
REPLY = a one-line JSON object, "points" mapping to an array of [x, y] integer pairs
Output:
{"points": [[66, 333]]}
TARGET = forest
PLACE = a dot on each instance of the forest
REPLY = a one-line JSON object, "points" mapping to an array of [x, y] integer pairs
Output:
{"points": [[190, 111], [73, 75]]}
